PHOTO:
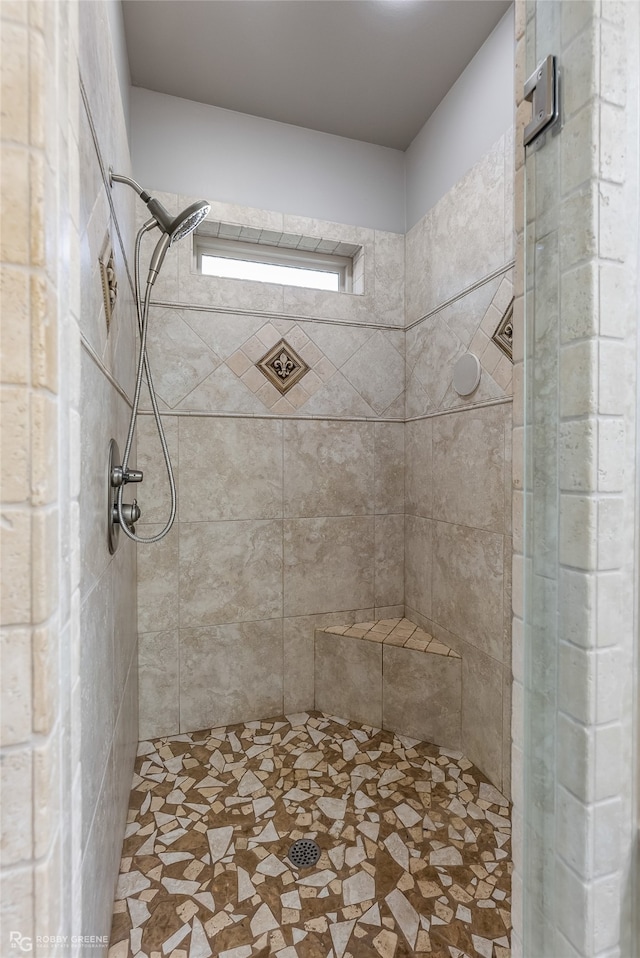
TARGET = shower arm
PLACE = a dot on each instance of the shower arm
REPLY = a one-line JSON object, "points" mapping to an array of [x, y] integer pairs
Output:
{"points": [[120, 178]]}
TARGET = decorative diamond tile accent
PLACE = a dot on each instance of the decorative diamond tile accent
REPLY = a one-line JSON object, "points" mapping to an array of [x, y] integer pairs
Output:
{"points": [[503, 336], [245, 363], [282, 366]]}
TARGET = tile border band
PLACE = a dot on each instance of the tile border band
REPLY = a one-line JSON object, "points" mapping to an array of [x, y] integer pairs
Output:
{"points": [[103, 369], [465, 292], [301, 317], [267, 315], [207, 414], [105, 178]]}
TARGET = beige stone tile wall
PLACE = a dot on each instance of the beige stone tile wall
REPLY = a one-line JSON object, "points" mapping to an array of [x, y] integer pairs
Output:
{"points": [[291, 508], [107, 660], [459, 283], [570, 896], [69, 686], [39, 478], [285, 526], [457, 553]]}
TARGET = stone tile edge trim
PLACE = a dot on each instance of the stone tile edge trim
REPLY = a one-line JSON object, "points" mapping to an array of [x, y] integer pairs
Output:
{"points": [[398, 632], [207, 414], [293, 317], [460, 295]]}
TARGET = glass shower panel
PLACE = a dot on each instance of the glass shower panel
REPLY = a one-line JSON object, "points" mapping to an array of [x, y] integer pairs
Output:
{"points": [[541, 562]]}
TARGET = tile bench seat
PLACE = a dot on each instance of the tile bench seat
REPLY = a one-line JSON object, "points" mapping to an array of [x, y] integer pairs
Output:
{"points": [[393, 675]]}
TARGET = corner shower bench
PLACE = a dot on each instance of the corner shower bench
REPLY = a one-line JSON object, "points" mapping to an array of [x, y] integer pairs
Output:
{"points": [[392, 675]]}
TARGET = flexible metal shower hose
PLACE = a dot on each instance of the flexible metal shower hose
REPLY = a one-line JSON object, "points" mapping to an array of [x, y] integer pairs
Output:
{"points": [[142, 310]]}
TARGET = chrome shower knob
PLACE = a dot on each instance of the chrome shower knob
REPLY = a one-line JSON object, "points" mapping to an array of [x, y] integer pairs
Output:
{"points": [[130, 513]]}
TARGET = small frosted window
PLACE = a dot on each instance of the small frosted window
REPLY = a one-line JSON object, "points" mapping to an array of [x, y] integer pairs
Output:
{"points": [[270, 272]]}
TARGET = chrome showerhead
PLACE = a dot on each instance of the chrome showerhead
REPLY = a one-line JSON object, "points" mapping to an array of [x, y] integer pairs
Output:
{"points": [[174, 228], [181, 225], [188, 220]]}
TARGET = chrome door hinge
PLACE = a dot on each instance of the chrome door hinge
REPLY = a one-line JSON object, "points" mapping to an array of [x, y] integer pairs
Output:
{"points": [[542, 90]]}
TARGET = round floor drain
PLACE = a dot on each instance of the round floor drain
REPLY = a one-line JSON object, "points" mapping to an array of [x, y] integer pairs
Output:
{"points": [[304, 853]]}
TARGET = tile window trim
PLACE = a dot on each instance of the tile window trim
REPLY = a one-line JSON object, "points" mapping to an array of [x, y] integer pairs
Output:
{"points": [[282, 249]]}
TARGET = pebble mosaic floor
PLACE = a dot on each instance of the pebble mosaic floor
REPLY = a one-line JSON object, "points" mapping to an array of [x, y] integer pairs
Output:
{"points": [[415, 847]]}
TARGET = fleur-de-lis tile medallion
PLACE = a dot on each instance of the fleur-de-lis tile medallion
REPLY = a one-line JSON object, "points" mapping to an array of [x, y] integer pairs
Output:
{"points": [[282, 366]]}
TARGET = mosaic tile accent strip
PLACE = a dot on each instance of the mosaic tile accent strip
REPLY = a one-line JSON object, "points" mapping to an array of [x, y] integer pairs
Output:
{"points": [[278, 239], [282, 366], [415, 847], [400, 632]]}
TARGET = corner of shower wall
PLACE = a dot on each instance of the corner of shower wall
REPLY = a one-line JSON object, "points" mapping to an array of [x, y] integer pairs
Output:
{"points": [[107, 654], [459, 285], [40, 473], [575, 574], [43, 723], [291, 508]]}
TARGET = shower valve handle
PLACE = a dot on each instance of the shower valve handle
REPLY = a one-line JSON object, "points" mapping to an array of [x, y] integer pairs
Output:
{"points": [[120, 477], [130, 513]]}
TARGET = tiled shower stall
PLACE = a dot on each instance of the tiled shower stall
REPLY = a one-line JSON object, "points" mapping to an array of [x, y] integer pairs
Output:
{"points": [[347, 499], [371, 491]]}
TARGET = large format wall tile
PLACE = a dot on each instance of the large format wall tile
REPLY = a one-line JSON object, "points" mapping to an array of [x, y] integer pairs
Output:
{"points": [[418, 557], [230, 670], [433, 349], [179, 359], [158, 684], [349, 671], [465, 237], [328, 564], [154, 494], [389, 277], [125, 615], [468, 585], [389, 561], [230, 571], [482, 718], [299, 644], [231, 469], [389, 467], [377, 372], [422, 695], [328, 468], [158, 577], [418, 467], [469, 468], [96, 428], [97, 691]]}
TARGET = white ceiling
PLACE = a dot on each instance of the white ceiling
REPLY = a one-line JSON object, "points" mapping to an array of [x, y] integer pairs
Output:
{"points": [[372, 70]]}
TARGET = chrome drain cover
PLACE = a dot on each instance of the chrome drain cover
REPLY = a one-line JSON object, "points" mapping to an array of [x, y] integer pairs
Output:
{"points": [[304, 853]]}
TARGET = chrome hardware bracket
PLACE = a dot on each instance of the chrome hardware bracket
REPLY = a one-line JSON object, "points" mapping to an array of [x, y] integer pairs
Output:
{"points": [[542, 90]]}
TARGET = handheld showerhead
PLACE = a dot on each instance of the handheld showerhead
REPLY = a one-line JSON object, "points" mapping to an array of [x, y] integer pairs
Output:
{"points": [[173, 228], [181, 225], [188, 220]]}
